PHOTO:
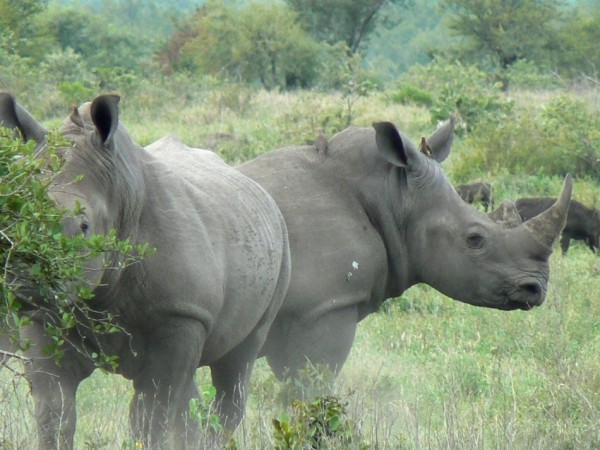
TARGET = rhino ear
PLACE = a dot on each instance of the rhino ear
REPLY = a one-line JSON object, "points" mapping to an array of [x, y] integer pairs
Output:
{"points": [[440, 140], [14, 116], [105, 115], [389, 143]]}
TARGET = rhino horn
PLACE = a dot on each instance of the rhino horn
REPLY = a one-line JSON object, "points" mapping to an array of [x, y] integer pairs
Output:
{"points": [[548, 225]]}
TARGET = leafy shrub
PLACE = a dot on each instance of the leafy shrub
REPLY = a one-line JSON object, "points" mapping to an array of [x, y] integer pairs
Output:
{"points": [[464, 91], [408, 93], [33, 251], [557, 138], [203, 410], [74, 92], [314, 424], [526, 74]]}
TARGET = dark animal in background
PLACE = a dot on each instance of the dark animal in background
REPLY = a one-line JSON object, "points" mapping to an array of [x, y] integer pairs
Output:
{"points": [[478, 192], [206, 297], [583, 223], [375, 216], [506, 215]]}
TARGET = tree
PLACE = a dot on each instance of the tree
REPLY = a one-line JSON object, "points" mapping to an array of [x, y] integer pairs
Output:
{"points": [[578, 38], [17, 27], [100, 42], [349, 21], [255, 42], [503, 31]]}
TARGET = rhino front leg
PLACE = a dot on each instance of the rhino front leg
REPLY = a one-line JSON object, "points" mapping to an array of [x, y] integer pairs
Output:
{"points": [[164, 385], [53, 388]]}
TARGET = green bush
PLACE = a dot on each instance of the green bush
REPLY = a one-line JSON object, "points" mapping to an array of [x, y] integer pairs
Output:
{"points": [[320, 423], [34, 252], [527, 75], [464, 91], [408, 93], [557, 138], [74, 92]]}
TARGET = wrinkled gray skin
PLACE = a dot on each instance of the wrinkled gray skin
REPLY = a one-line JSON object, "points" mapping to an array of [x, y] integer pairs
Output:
{"points": [[477, 192], [206, 297], [370, 217], [583, 222]]}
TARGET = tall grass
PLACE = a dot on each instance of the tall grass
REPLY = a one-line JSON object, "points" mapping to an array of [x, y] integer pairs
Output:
{"points": [[424, 372]]}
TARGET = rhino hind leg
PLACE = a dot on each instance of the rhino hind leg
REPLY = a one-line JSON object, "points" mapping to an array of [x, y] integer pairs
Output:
{"points": [[231, 378], [323, 343], [231, 374]]}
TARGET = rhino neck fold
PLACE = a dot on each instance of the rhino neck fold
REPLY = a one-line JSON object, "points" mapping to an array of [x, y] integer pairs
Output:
{"points": [[382, 203]]}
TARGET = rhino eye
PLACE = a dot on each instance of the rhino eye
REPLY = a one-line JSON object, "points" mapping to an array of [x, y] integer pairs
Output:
{"points": [[84, 227], [475, 240]]}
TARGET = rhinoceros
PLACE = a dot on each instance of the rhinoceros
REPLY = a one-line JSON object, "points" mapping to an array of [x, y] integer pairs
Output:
{"points": [[506, 214], [478, 192], [370, 217], [206, 297], [583, 222]]}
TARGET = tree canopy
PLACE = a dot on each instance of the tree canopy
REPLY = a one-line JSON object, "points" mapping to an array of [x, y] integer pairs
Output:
{"points": [[348, 21], [506, 31], [83, 46]]}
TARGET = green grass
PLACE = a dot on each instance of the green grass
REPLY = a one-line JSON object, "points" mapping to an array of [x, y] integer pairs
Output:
{"points": [[426, 371]]}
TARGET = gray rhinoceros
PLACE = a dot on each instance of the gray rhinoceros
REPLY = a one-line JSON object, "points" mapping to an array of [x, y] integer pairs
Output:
{"points": [[206, 297], [583, 222], [369, 216], [477, 192]]}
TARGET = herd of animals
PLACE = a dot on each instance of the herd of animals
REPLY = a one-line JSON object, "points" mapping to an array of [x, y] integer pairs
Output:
{"points": [[279, 257], [583, 222]]}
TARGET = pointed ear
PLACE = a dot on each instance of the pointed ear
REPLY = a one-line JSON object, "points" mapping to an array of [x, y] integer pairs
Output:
{"points": [[105, 115], [14, 116], [8, 113], [440, 140], [389, 143]]}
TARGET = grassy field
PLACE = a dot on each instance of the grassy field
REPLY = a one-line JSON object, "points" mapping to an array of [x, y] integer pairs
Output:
{"points": [[426, 371]]}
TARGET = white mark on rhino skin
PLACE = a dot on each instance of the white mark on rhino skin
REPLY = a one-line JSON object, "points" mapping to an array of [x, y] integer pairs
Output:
{"points": [[348, 276], [354, 265]]}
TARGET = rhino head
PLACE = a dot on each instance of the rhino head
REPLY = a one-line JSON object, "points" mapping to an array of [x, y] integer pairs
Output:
{"points": [[454, 247], [86, 183]]}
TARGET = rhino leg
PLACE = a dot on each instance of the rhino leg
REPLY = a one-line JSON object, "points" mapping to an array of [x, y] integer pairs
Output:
{"points": [[231, 374], [7, 348], [320, 341], [565, 241], [231, 377], [53, 388], [163, 384]]}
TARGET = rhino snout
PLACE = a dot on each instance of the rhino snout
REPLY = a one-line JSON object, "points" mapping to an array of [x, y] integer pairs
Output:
{"points": [[527, 294]]}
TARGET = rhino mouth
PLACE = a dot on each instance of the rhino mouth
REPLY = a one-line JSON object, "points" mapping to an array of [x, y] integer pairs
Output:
{"points": [[512, 305]]}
